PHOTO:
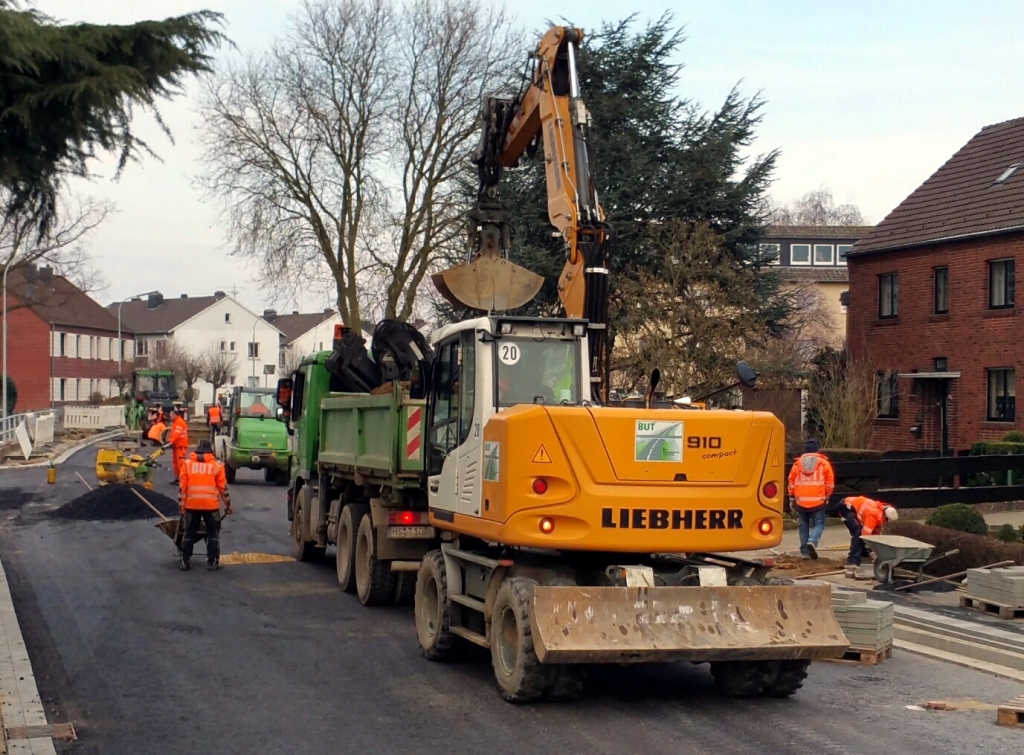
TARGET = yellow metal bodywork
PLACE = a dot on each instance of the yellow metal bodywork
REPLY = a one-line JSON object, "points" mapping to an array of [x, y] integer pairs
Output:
{"points": [[117, 465], [600, 498], [623, 624]]}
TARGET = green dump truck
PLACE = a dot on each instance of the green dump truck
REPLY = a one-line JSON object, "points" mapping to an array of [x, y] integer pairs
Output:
{"points": [[357, 482], [254, 437]]}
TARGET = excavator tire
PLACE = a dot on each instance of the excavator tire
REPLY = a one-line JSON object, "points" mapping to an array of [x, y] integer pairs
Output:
{"points": [[405, 588], [789, 679], [348, 527], [741, 678], [433, 609], [375, 582], [521, 677]]}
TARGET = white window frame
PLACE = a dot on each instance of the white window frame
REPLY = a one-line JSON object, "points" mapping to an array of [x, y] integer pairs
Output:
{"points": [[763, 248], [810, 255], [227, 318], [254, 350], [831, 254], [842, 260]]}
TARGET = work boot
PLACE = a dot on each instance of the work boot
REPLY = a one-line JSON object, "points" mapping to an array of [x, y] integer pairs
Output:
{"points": [[174, 482], [812, 551], [213, 565], [184, 565]]}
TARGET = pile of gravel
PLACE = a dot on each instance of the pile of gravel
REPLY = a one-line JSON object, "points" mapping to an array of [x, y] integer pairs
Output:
{"points": [[116, 503]]}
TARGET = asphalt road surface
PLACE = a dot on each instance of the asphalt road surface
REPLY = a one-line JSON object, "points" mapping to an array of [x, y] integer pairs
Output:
{"points": [[273, 658]]}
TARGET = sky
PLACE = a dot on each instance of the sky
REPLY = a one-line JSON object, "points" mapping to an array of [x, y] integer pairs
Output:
{"points": [[865, 98]]}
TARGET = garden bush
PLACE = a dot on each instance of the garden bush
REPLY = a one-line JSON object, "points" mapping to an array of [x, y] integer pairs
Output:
{"points": [[1013, 436], [1007, 534], [959, 517]]}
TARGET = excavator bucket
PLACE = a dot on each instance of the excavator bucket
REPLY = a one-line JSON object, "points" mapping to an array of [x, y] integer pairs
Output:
{"points": [[640, 624], [489, 283]]}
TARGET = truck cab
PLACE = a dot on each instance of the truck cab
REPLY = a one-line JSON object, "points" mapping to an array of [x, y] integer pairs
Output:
{"points": [[255, 436]]}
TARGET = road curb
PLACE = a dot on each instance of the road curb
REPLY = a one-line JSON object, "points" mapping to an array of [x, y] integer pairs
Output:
{"points": [[20, 704], [67, 453]]}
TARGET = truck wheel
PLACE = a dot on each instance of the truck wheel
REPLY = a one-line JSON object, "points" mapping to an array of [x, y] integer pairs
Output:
{"points": [[375, 582], [521, 677], [405, 588], [789, 679], [304, 550], [433, 610], [229, 474], [741, 678], [348, 526]]}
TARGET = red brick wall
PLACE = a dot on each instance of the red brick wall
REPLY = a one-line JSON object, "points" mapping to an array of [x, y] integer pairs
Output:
{"points": [[972, 337], [28, 358]]}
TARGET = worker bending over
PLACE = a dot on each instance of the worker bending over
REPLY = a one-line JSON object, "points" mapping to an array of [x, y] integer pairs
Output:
{"points": [[178, 441], [863, 516], [811, 482], [202, 487], [156, 432]]}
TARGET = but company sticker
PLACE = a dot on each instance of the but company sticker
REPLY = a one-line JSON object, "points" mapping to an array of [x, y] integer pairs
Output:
{"points": [[658, 441]]}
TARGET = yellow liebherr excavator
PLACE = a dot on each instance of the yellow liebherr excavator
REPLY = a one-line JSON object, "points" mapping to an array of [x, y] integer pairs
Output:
{"points": [[573, 532]]}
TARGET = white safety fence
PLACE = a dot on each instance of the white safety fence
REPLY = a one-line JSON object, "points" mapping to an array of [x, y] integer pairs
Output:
{"points": [[93, 417], [30, 430]]}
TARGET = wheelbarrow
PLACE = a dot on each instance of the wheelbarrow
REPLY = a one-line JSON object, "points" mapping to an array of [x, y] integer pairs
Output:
{"points": [[174, 528], [893, 551]]}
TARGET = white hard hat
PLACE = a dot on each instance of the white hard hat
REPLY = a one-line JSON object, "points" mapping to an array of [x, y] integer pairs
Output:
{"points": [[890, 514]]}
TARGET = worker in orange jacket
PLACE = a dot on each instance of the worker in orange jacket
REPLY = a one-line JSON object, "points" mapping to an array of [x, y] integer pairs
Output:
{"points": [[863, 516], [811, 482], [156, 432], [178, 441], [202, 487], [214, 419]]}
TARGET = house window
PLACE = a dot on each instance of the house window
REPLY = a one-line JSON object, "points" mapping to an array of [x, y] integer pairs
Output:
{"points": [[231, 380], [161, 348], [941, 290], [280, 358], [63, 346], [63, 389], [142, 348], [888, 295], [823, 254], [78, 347], [940, 364], [800, 254], [231, 347], [841, 251], [254, 350], [254, 382], [122, 349], [1000, 283], [227, 317], [223, 345], [888, 395], [1002, 394], [770, 253]]}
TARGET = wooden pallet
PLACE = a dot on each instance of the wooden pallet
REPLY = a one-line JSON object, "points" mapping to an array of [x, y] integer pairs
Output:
{"points": [[864, 656], [1012, 713], [987, 606]]}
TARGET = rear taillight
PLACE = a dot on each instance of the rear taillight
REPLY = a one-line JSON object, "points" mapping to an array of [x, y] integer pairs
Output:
{"points": [[407, 518], [540, 486], [766, 527], [770, 490]]}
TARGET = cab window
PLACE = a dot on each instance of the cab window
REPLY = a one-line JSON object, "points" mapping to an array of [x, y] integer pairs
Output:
{"points": [[453, 399]]}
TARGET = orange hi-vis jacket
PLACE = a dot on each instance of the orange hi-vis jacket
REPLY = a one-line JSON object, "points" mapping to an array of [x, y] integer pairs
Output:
{"points": [[811, 481], [156, 432], [870, 513], [202, 483], [215, 415], [179, 433]]}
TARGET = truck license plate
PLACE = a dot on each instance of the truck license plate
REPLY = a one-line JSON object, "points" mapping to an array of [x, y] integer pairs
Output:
{"points": [[411, 532]]}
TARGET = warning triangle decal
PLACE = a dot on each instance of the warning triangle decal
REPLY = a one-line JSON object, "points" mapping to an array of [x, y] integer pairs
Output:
{"points": [[775, 458], [541, 457]]}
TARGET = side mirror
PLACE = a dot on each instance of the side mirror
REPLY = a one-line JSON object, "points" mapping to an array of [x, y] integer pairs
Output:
{"points": [[284, 399], [747, 374]]}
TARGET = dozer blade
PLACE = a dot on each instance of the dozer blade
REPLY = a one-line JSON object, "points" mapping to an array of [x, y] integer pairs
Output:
{"points": [[489, 283], [641, 624]]}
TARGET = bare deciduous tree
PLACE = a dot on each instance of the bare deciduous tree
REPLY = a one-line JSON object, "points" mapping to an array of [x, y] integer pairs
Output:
{"points": [[841, 401], [816, 208], [291, 359], [218, 367], [187, 367], [335, 154]]}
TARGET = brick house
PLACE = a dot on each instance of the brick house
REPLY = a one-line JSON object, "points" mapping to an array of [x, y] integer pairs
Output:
{"points": [[815, 256], [932, 302], [63, 344]]}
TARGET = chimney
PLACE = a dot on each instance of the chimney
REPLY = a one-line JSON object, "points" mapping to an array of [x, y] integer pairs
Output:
{"points": [[269, 314], [155, 300], [218, 295], [295, 311], [46, 274], [328, 312], [184, 296]]}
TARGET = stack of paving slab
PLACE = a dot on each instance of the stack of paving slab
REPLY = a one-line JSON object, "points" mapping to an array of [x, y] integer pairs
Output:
{"points": [[1004, 587], [868, 624]]}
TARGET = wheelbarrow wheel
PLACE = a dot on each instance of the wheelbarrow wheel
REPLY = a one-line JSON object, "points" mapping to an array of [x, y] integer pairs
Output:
{"points": [[883, 572]]}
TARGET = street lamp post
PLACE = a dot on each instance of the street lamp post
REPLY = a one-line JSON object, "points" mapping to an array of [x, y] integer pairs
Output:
{"points": [[120, 348], [7, 269]]}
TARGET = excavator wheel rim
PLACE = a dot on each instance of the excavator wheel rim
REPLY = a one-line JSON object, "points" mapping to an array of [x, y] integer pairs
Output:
{"points": [[507, 639]]}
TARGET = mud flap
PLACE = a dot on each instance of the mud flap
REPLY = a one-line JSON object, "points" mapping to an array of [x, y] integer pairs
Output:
{"points": [[646, 624], [490, 283]]}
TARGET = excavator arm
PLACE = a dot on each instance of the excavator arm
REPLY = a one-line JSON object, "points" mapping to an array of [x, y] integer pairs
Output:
{"points": [[549, 110]]}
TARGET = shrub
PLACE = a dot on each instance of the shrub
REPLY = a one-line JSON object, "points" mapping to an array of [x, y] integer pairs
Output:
{"points": [[997, 447], [1006, 533], [1013, 436], [959, 517], [96, 398], [975, 551]]}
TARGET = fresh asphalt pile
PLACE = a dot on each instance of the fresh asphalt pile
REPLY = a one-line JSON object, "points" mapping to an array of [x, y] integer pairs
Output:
{"points": [[116, 503]]}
